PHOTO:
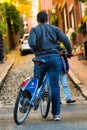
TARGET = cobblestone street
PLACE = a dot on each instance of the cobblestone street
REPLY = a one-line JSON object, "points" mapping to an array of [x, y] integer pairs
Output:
{"points": [[22, 68], [70, 113]]}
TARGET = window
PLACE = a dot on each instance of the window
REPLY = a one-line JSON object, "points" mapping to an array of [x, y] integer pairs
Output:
{"points": [[71, 17], [65, 18]]}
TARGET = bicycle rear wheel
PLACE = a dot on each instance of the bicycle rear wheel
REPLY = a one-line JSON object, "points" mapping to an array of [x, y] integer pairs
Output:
{"points": [[45, 103], [22, 108]]}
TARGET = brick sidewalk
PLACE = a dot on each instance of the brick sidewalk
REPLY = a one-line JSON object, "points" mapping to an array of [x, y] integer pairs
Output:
{"points": [[79, 69], [4, 67]]}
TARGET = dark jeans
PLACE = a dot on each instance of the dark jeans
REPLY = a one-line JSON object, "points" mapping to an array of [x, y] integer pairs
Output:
{"points": [[53, 67]]}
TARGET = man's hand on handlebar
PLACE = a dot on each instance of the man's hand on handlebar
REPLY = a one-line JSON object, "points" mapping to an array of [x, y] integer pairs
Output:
{"points": [[65, 53]]}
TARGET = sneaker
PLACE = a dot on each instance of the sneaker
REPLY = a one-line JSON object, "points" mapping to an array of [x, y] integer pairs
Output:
{"points": [[56, 117], [71, 101]]}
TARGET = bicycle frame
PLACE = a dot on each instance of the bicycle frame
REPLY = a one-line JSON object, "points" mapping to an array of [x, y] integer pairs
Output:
{"points": [[32, 87]]}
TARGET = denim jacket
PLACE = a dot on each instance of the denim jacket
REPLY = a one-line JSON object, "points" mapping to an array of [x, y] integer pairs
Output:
{"points": [[44, 38]]}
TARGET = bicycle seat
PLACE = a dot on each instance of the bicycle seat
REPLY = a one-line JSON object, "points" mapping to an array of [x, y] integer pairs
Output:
{"points": [[42, 61]]}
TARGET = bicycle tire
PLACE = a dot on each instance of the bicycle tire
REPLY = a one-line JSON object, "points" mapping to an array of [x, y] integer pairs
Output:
{"points": [[44, 108], [17, 110]]}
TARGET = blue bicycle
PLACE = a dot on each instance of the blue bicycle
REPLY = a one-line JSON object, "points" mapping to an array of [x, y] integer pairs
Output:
{"points": [[31, 97]]}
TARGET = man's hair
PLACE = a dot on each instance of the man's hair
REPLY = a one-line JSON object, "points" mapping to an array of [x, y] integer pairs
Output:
{"points": [[42, 17]]}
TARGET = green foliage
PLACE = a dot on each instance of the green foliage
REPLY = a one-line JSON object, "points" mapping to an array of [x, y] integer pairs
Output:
{"points": [[85, 14], [3, 24], [62, 45], [54, 20], [81, 27], [73, 36], [12, 17], [83, 1]]}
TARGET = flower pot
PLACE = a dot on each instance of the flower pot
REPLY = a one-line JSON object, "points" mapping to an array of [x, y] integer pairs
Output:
{"points": [[79, 52]]}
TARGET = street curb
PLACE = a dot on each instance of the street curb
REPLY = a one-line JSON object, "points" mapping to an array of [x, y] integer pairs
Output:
{"points": [[2, 77], [79, 86]]}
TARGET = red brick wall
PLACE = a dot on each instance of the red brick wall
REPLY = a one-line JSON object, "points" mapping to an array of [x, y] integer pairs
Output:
{"points": [[75, 3], [77, 12]]}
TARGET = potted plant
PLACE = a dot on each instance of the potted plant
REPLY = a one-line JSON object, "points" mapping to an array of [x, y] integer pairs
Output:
{"points": [[73, 36], [82, 1], [82, 28], [79, 52]]}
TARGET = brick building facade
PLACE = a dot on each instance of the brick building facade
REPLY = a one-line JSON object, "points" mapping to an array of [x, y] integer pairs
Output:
{"points": [[69, 12]]}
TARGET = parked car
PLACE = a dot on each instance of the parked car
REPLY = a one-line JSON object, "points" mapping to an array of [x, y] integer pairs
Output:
{"points": [[25, 48]]}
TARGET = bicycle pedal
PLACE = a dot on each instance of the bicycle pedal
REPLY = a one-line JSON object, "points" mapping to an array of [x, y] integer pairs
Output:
{"points": [[37, 102], [36, 106], [45, 94]]}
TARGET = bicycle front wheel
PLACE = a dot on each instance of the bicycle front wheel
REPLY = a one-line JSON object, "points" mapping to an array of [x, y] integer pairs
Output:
{"points": [[45, 103], [21, 109]]}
